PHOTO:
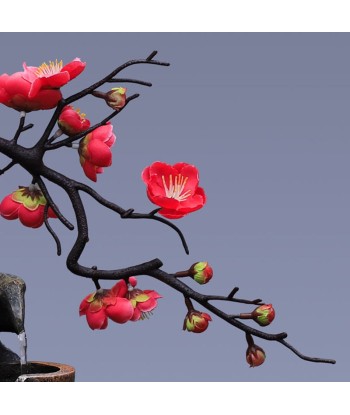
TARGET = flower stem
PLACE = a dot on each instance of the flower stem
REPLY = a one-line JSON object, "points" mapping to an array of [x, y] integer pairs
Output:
{"points": [[182, 274], [189, 304]]}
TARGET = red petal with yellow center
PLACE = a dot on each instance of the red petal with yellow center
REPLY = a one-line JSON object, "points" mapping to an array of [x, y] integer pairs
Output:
{"points": [[191, 172]]}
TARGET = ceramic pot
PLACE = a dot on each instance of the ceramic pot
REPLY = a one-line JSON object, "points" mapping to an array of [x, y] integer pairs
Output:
{"points": [[37, 372]]}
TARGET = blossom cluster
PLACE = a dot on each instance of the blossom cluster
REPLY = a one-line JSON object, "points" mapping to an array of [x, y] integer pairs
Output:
{"points": [[122, 303]]}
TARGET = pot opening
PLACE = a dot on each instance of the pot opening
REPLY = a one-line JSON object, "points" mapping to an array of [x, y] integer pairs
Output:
{"points": [[9, 372]]}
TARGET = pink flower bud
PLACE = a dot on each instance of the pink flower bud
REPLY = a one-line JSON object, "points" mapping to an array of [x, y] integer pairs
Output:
{"points": [[264, 314], [196, 322], [201, 272], [116, 98], [255, 355], [71, 121]]}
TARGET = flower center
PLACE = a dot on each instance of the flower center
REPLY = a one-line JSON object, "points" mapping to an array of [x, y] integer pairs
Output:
{"points": [[45, 70], [175, 189]]}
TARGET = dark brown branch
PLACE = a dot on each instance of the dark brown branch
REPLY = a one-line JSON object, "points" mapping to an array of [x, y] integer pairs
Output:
{"points": [[302, 356], [11, 164], [130, 214], [130, 81], [83, 238], [51, 124], [257, 301], [52, 232], [27, 127], [20, 127], [53, 205], [178, 285], [31, 159], [233, 292], [120, 68]]}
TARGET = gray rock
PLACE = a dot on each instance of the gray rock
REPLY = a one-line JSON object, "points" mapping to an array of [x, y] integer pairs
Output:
{"points": [[12, 306], [7, 356]]}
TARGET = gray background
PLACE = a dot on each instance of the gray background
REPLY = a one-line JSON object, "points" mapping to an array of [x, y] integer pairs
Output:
{"points": [[265, 119]]}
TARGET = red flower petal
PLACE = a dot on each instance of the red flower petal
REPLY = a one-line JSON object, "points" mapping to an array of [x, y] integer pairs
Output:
{"points": [[148, 305], [98, 320], [9, 208], [74, 68], [35, 87], [102, 133], [152, 294], [31, 218], [191, 172], [84, 306], [193, 203], [56, 81], [171, 214], [137, 315], [99, 153], [119, 289], [89, 170], [145, 175], [51, 213], [121, 312]]}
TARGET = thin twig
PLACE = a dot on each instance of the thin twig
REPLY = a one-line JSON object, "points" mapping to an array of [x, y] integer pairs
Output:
{"points": [[20, 127], [257, 301], [52, 232], [304, 357], [130, 81], [11, 164], [53, 205], [130, 214]]}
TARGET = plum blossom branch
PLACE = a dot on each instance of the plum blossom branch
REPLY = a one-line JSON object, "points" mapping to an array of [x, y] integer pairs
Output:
{"points": [[304, 357], [51, 203], [8, 167], [89, 90], [130, 81], [69, 140], [120, 68], [31, 159], [172, 281], [20, 127], [51, 231], [130, 214]]}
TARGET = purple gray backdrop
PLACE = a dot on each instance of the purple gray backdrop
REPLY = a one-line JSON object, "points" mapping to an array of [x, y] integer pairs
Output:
{"points": [[265, 118]]}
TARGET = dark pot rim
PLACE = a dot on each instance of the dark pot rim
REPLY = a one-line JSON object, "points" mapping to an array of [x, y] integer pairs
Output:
{"points": [[47, 372]]}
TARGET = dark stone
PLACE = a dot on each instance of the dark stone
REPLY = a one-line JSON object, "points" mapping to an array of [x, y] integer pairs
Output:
{"points": [[7, 355], [12, 291]]}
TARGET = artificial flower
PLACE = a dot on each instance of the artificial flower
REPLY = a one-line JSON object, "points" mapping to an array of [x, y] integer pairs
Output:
{"points": [[26, 204], [71, 121], [196, 322], [95, 150], [37, 88], [174, 188]]}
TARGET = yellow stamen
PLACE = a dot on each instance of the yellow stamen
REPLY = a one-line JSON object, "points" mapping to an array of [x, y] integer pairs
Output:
{"points": [[174, 191], [45, 70]]}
